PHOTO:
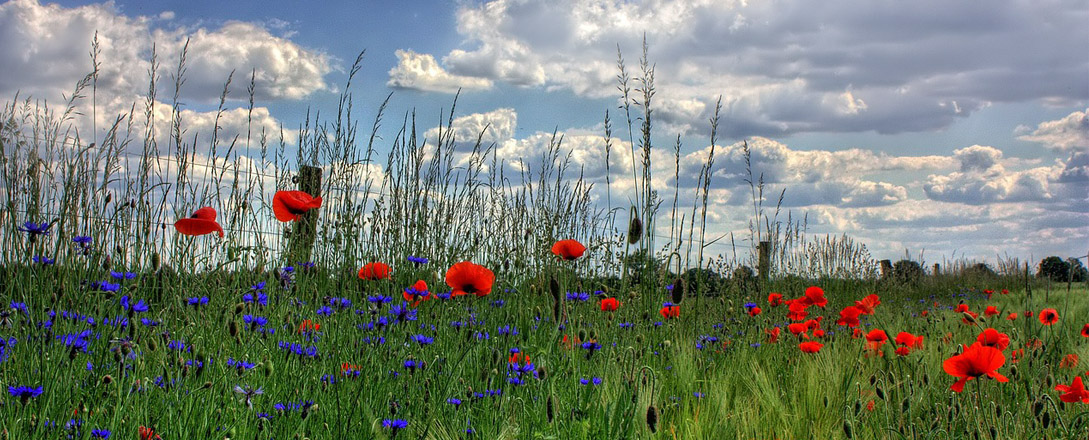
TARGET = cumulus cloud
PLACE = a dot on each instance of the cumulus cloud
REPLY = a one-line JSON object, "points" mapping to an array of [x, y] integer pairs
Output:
{"points": [[787, 67], [45, 52], [492, 127], [1070, 133], [983, 178], [422, 72]]}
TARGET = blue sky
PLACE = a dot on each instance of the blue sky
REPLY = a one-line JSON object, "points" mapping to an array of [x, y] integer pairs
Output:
{"points": [[954, 128]]}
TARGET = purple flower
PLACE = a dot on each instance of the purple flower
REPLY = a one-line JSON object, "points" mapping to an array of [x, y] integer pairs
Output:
{"points": [[24, 392], [139, 306], [35, 229]]}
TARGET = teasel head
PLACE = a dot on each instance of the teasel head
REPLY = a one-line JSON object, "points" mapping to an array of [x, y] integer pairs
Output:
{"points": [[652, 418]]}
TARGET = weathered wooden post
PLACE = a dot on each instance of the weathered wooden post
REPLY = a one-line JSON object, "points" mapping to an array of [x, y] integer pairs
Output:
{"points": [[304, 231], [937, 269], [764, 266]]}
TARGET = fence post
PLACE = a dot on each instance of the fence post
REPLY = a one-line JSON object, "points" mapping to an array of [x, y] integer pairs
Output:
{"points": [[937, 269], [764, 266], [304, 231], [886, 268]]}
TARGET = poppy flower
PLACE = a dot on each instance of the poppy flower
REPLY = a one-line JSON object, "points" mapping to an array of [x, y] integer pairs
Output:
{"points": [[754, 311], [924, 313], [909, 340], [773, 334], [203, 221], [468, 278], [289, 205], [798, 329], [990, 311], [1069, 361], [1085, 331], [961, 308], [815, 296], [148, 434], [309, 326], [857, 333], [518, 358], [849, 316], [903, 351], [988, 292], [1029, 313], [1049, 316], [810, 346], [670, 311], [867, 304], [877, 338], [992, 338], [374, 271], [1012, 317], [417, 293], [977, 360], [1074, 392], [775, 299], [568, 249], [797, 310], [1005, 291], [609, 304]]}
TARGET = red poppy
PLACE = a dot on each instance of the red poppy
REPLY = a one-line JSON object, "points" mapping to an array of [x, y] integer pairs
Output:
{"points": [[977, 360], [416, 293], [775, 299], [1069, 361], [849, 316], [518, 358], [1012, 317], [1049, 316], [1074, 392], [568, 249], [870, 405], [773, 334], [203, 221], [815, 296], [1017, 354], [1085, 331], [903, 351], [797, 310], [988, 292], [467, 278], [670, 311], [990, 311], [1004, 291], [993, 338], [148, 434], [289, 205], [754, 311], [961, 308], [868, 303], [1028, 313], [857, 333], [908, 340], [609, 304], [924, 313], [810, 346], [797, 328], [374, 271], [347, 368], [309, 326], [818, 333], [877, 338]]}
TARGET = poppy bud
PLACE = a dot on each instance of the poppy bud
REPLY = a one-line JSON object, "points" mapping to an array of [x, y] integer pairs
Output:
{"points": [[994, 432], [132, 203], [554, 288], [268, 368], [678, 290], [1046, 420], [847, 431], [1037, 407], [905, 405], [635, 228], [156, 261], [880, 393], [107, 379], [542, 373], [238, 308], [652, 418], [582, 335], [858, 407], [550, 410], [232, 328], [106, 262], [152, 345], [109, 197]]}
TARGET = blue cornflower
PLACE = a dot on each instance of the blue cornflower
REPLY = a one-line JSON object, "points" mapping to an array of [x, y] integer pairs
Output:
{"points": [[341, 303], [412, 364], [100, 433], [43, 260], [241, 365], [20, 307], [325, 311], [403, 312], [176, 345], [138, 306], [423, 340], [258, 297], [380, 299], [578, 296], [591, 346], [106, 286], [198, 300], [750, 305], [83, 240], [149, 323], [24, 392], [256, 321], [498, 303], [698, 394], [508, 330], [35, 229], [454, 401], [258, 286], [77, 341], [417, 260], [122, 275], [444, 295], [395, 424]]}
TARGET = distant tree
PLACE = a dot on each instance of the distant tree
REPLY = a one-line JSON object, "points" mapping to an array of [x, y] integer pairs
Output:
{"points": [[979, 270], [1077, 271], [907, 271], [702, 280], [1054, 268], [744, 278]]}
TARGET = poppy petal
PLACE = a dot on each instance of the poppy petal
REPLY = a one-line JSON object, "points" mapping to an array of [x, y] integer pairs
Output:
{"points": [[205, 213], [196, 226], [958, 386]]}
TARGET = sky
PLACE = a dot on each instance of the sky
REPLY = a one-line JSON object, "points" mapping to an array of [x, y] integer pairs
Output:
{"points": [[937, 129]]}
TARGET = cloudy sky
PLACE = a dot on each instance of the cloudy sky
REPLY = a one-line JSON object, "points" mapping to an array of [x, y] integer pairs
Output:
{"points": [[954, 128]]}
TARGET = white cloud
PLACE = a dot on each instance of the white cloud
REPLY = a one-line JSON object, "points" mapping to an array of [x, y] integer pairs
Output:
{"points": [[786, 67], [422, 72], [1070, 133], [492, 127], [983, 179]]}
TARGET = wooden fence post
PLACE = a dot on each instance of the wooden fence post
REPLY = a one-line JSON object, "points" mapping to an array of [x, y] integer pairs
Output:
{"points": [[304, 231], [886, 268]]}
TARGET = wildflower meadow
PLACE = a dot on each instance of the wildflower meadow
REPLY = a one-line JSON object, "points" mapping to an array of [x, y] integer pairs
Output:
{"points": [[151, 288]]}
